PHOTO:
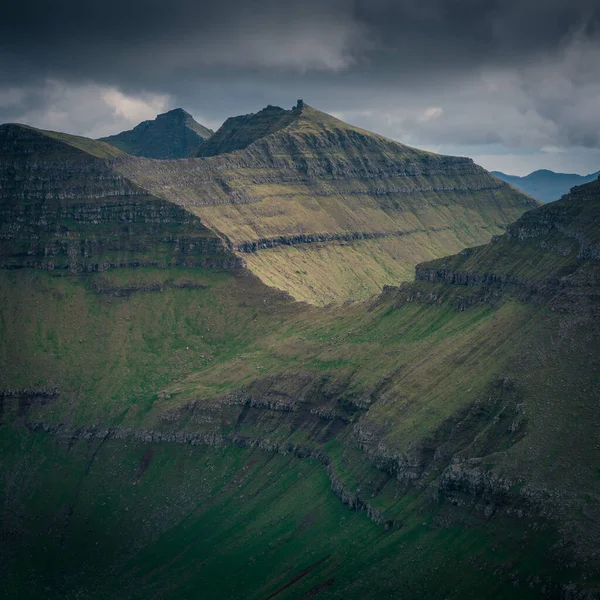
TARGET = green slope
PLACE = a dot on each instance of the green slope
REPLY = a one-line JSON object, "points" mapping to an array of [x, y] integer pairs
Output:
{"points": [[51, 144], [188, 431], [326, 211]]}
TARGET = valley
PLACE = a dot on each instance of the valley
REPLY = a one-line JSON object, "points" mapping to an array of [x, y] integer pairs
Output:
{"points": [[175, 423]]}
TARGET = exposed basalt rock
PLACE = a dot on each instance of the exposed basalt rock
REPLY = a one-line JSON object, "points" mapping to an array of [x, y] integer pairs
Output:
{"points": [[563, 248], [352, 499], [458, 441], [293, 240], [23, 399], [95, 236], [35, 166], [125, 292], [573, 217], [42, 392]]}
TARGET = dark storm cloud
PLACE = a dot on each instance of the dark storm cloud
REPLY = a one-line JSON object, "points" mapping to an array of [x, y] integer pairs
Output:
{"points": [[514, 73], [148, 40]]}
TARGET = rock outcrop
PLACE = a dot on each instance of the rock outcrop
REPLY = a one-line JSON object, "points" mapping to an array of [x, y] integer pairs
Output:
{"points": [[63, 206]]}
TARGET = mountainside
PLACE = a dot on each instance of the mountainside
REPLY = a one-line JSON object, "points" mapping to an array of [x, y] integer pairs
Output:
{"points": [[170, 426], [63, 207], [326, 211], [174, 134], [545, 185]]}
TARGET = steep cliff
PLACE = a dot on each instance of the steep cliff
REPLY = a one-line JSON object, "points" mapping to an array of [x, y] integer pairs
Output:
{"points": [[174, 134], [327, 211], [554, 248], [63, 206]]}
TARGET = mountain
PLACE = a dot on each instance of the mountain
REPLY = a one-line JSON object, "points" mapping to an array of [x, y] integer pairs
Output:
{"points": [[173, 134], [326, 211], [171, 426], [545, 185]]}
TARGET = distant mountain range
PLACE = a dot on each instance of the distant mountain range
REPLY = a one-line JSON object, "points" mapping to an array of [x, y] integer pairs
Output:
{"points": [[546, 185], [174, 134]]}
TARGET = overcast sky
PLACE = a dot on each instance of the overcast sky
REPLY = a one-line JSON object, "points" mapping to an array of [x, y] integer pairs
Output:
{"points": [[515, 84]]}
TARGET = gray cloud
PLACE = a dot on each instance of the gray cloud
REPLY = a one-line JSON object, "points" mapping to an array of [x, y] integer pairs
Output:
{"points": [[442, 73]]}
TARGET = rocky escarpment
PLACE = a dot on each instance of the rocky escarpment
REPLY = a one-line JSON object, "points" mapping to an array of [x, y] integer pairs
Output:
{"points": [[561, 241], [107, 233], [254, 246], [573, 217], [62, 206], [174, 134], [37, 166]]}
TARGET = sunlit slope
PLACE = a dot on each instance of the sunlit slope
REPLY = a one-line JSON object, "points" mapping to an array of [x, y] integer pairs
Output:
{"points": [[327, 211]]}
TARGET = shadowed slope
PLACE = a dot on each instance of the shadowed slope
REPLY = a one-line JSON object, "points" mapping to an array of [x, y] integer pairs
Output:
{"points": [[174, 134], [19, 140], [169, 432], [64, 207]]}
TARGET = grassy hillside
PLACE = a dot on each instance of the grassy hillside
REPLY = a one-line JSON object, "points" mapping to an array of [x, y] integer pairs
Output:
{"points": [[326, 211], [15, 137], [169, 432]]}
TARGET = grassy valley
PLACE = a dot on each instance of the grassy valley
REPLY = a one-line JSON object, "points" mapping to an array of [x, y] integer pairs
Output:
{"points": [[173, 425]]}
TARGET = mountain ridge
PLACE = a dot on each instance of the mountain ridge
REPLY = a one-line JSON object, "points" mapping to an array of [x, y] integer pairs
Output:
{"points": [[304, 192], [171, 135], [546, 185]]}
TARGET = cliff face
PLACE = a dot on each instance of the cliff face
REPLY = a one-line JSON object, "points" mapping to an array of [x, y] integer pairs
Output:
{"points": [[326, 211], [62, 206], [550, 249], [174, 134]]}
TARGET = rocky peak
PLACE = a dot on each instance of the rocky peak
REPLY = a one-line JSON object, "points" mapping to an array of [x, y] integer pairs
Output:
{"points": [[173, 134], [239, 132]]}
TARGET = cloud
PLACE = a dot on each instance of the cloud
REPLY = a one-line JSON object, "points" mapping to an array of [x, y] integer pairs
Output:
{"points": [[131, 109], [458, 74], [89, 109]]}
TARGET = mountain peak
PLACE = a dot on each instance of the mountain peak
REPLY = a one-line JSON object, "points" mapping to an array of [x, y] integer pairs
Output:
{"points": [[173, 134], [175, 113], [239, 132]]}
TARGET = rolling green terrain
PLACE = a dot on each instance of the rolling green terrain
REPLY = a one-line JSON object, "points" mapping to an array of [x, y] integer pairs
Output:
{"points": [[172, 427]]}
